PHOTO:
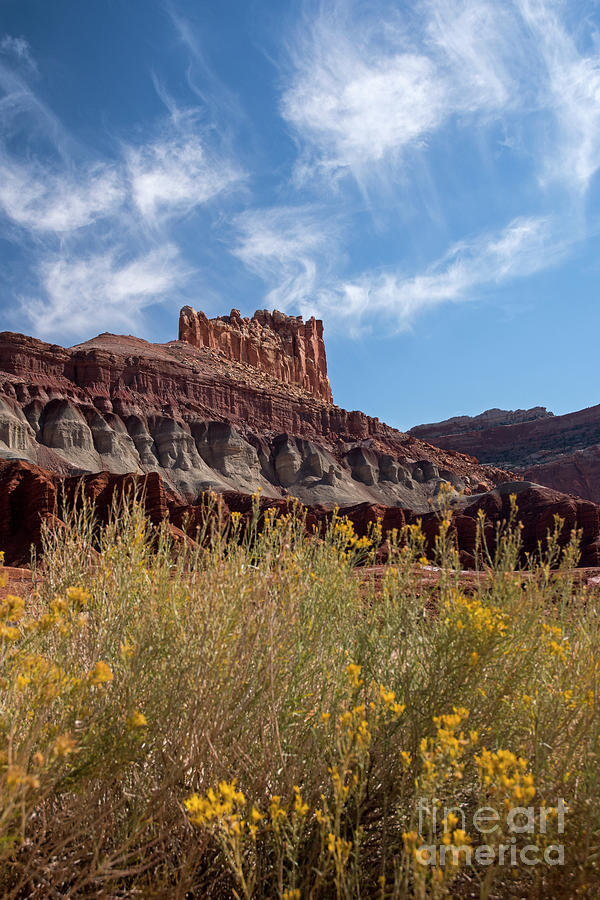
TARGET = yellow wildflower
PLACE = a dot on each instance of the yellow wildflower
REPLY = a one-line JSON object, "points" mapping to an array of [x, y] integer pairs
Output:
{"points": [[101, 673], [64, 745], [300, 808], [353, 672], [137, 719], [78, 597]]}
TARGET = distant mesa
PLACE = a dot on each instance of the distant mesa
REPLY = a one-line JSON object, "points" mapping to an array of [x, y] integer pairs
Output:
{"points": [[562, 452], [283, 346], [487, 419]]}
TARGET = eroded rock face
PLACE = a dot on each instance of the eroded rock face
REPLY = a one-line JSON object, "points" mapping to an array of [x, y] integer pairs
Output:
{"points": [[204, 421], [282, 346], [15, 431], [64, 428], [225, 450], [364, 465]]}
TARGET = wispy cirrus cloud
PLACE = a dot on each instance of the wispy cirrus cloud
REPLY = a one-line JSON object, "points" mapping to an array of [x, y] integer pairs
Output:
{"points": [[363, 86], [291, 248], [478, 49], [108, 289], [353, 112], [351, 102], [291, 251], [569, 89], [173, 175], [57, 200], [18, 47], [42, 190], [22, 110], [470, 267], [201, 78]]}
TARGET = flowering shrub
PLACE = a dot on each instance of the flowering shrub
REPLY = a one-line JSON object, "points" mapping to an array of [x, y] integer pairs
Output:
{"points": [[247, 716]]}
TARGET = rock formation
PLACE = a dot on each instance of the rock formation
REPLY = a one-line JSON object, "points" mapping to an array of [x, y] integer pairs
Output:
{"points": [[562, 452], [282, 346], [239, 405], [31, 496], [203, 420], [487, 419]]}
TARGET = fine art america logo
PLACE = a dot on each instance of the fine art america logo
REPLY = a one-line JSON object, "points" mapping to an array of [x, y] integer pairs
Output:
{"points": [[515, 836]]}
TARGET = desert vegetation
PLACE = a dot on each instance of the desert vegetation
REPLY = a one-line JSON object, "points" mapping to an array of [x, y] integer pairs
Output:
{"points": [[252, 715]]}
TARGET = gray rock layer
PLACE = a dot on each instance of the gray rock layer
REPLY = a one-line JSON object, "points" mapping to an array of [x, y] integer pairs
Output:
{"points": [[213, 455]]}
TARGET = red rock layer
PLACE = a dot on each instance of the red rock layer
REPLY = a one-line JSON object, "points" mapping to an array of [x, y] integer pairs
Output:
{"points": [[283, 346], [30, 496], [537, 508], [574, 473]]}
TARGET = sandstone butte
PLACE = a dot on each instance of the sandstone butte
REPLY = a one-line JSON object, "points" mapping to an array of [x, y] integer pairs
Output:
{"points": [[234, 406]]}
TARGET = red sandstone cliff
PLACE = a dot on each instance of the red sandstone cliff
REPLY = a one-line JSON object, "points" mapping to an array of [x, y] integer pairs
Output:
{"points": [[283, 346], [205, 421]]}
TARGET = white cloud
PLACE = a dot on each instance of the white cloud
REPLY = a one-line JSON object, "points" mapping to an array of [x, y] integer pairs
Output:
{"points": [[367, 87], [525, 246], [17, 47], [173, 176], [351, 98], [23, 113], [202, 80], [363, 87], [290, 248], [295, 254], [355, 112], [102, 289], [480, 48], [570, 91], [48, 200]]}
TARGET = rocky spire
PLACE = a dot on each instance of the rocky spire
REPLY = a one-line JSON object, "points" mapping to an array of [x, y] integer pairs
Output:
{"points": [[284, 346]]}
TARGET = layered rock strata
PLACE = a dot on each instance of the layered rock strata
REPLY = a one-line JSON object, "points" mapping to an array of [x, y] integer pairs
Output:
{"points": [[205, 421], [282, 346]]}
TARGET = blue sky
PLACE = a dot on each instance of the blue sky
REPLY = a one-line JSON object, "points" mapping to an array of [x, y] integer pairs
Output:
{"points": [[423, 176]]}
